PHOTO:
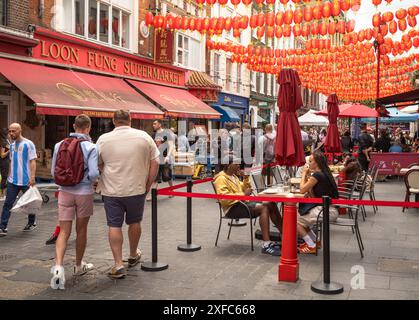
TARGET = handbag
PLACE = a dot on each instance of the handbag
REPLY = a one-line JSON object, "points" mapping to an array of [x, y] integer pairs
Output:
{"points": [[304, 208]]}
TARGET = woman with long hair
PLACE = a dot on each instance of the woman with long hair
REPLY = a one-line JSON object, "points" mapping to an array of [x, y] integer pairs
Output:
{"points": [[316, 181], [4, 161]]}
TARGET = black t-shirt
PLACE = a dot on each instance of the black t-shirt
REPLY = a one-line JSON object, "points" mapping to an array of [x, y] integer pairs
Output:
{"points": [[323, 186], [6, 146], [365, 141], [383, 144]]}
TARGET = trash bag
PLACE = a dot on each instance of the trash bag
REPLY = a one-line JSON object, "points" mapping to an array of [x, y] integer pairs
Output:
{"points": [[29, 203]]}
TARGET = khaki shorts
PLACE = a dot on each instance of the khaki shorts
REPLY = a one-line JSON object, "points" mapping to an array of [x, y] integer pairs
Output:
{"points": [[310, 219], [71, 206]]}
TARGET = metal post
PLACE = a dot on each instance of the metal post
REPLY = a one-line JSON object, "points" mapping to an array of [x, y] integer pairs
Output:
{"points": [[154, 265], [325, 286], [377, 47], [189, 246]]}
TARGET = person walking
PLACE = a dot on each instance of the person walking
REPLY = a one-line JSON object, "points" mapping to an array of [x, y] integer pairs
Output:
{"points": [[4, 161], [129, 162], [365, 146], [75, 170], [21, 175]]}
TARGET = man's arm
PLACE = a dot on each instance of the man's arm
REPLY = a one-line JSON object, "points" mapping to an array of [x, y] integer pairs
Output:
{"points": [[33, 171], [152, 173]]}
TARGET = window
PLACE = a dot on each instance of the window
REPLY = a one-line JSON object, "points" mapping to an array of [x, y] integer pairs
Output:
{"points": [[98, 21], [3, 12], [184, 46], [104, 23], [239, 77], [269, 85], [262, 83], [228, 74], [93, 19], [253, 81], [79, 16], [217, 67]]}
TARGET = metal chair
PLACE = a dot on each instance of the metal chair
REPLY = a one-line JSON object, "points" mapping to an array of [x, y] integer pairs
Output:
{"points": [[277, 175], [222, 216], [411, 180], [371, 185], [259, 181]]}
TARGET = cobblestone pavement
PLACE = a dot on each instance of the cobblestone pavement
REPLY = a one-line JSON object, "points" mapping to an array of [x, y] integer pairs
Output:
{"points": [[229, 271]]}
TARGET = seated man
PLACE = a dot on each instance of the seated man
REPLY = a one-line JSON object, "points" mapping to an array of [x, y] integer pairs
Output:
{"points": [[227, 182]]}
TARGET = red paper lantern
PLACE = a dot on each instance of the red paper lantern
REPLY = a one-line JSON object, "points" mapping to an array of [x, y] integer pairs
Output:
{"points": [[376, 2], [220, 24], [356, 5], [270, 32], [308, 14], [327, 9], [279, 18], [411, 20], [341, 27], [305, 30], [149, 18], [270, 19], [260, 32], [402, 24], [298, 16], [278, 32], [413, 11], [392, 26], [287, 30], [289, 15], [222, 2], [350, 26], [314, 28], [261, 19], [211, 2], [284, 2], [401, 13], [345, 5], [250, 49], [253, 21], [236, 33], [332, 27], [335, 8], [317, 12], [376, 20], [297, 30]]}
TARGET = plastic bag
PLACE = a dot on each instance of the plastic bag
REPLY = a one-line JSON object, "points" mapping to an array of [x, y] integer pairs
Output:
{"points": [[29, 203]]}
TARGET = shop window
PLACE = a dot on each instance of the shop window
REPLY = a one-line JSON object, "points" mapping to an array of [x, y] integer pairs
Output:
{"points": [[93, 19], [228, 74], [3, 12], [79, 8]]}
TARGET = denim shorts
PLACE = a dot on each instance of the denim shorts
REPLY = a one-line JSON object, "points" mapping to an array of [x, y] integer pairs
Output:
{"points": [[119, 208]]}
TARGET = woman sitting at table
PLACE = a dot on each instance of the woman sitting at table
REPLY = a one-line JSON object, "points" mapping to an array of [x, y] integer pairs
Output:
{"points": [[317, 181], [227, 182]]}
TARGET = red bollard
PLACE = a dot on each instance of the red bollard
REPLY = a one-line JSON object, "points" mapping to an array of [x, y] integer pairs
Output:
{"points": [[288, 265]]}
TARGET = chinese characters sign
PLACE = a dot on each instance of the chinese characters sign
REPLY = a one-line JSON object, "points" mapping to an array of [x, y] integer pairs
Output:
{"points": [[163, 47]]}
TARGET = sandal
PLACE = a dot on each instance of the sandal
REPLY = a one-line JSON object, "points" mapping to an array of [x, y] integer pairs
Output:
{"points": [[305, 249]]}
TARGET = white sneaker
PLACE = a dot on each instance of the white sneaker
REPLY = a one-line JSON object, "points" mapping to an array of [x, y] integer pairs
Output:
{"points": [[58, 278], [2, 198], [82, 269]]}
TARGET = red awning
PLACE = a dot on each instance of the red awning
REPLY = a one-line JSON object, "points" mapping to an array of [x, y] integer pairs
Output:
{"points": [[65, 92], [177, 102]]}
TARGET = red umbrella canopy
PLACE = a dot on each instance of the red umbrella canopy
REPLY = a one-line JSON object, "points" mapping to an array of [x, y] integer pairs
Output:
{"points": [[332, 143], [356, 110], [289, 146]]}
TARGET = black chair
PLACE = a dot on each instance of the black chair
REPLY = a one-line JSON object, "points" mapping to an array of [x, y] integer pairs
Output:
{"points": [[277, 175], [242, 206], [259, 181]]}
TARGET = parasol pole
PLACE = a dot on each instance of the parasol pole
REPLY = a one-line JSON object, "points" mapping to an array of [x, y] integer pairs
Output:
{"points": [[377, 50]]}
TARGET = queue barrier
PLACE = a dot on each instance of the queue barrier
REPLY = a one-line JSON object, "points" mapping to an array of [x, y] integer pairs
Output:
{"points": [[288, 267]]}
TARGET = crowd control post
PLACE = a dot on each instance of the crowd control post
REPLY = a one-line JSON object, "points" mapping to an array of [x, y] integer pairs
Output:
{"points": [[189, 246], [325, 286], [154, 265]]}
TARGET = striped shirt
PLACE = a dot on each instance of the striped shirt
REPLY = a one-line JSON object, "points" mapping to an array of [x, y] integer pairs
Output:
{"points": [[21, 154]]}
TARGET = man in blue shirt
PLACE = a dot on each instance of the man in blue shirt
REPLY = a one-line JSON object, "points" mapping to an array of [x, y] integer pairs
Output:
{"points": [[21, 175]]}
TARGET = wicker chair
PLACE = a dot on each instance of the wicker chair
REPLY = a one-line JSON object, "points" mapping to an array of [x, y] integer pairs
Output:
{"points": [[411, 180]]}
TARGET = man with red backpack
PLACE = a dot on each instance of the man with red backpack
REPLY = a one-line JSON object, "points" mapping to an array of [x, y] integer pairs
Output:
{"points": [[75, 170]]}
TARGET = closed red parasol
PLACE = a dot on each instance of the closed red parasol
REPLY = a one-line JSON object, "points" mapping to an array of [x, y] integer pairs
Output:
{"points": [[289, 145], [332, 143]]}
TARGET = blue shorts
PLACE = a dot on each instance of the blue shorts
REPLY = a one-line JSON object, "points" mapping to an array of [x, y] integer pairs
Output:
{"points": [[118, 208]]}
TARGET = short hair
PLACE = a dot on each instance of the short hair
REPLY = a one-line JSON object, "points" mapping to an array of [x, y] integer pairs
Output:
{"points": [[122, 116], [269, 127], [82, 122]]}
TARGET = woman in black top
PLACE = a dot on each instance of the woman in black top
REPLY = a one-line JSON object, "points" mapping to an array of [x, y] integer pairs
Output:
{"points": [[4, 161], [383, 143], [317, 181]]}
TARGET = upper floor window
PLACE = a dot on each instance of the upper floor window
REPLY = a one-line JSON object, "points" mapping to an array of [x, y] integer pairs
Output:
{"points": [[239, 78], [217, 58], [185, 46], [98, 21], [228, 74], [3, 12]]}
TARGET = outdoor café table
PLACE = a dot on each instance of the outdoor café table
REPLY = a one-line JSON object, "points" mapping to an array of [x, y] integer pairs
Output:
{"points": [[288, 265]]}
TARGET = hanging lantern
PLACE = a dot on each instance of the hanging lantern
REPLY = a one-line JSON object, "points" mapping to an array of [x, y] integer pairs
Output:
{"points": [[305, 30], [261, 19], [392, 27], [335, 8], [200, 3], [314, 28], [253, 21], [345, 5], [413, 11], [376, 20], [178, 23], [387, 16], [327, 9], [298, 16], [317, 12], [205, 25], [270, 19], [386, 60], [149, 18], [289, 15], [259, 3], [269, 32], [247, 2], [297, 30], [250, 49], [270, 2], [284, 2], [278, 32], [411, 20], [341, 27], [350, 26], [279, 18], [416, 42], [260, 32], [287, 30], [361, 35], [236, 22], [376, 2], [332, 27], [308, 14], [356, 5], [384, 29], [235, 3], [198, 25], [222, 2], [236, 33], [211, 2], [220, 24], [212, 24], [159, 21], [401, 13], [402, 24]]}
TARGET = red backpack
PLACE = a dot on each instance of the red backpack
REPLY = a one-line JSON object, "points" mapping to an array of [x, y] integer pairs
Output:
{"points": [[69, 165]]}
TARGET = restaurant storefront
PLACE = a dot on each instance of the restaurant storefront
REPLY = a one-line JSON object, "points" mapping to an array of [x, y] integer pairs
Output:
{"points": [[66, 76], [232, 107]]}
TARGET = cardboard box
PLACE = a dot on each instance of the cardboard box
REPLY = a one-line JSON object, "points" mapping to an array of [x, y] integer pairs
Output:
{"points": [[188, 171], [177, 170], [184, 157]]}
